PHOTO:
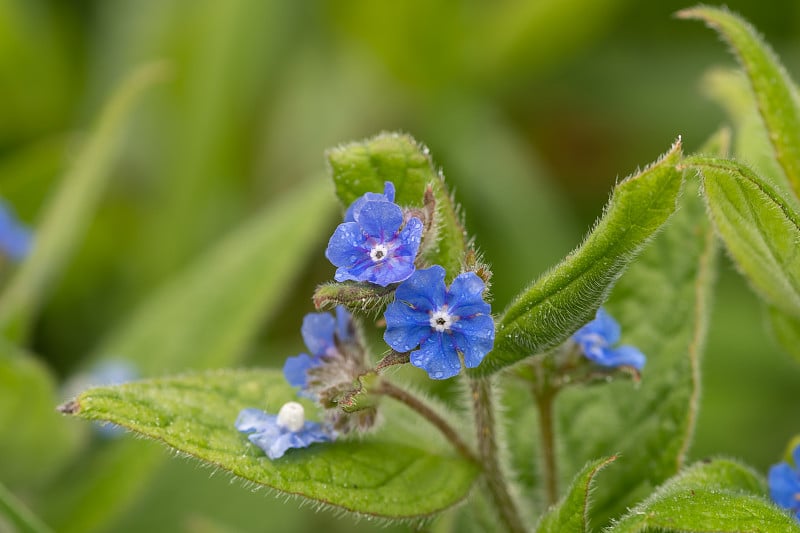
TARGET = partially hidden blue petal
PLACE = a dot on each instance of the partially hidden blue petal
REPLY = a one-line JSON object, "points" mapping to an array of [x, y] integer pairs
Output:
{"points": [[251, 419], [784, 487], [295, 368], [317, 331], [345, 329], [438, 357], [406, 327], [606, 326], [627, 356], [387, 196]]}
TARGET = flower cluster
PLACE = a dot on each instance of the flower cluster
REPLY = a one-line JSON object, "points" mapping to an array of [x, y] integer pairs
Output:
{"points": [[784, 483], [441, 328], [15, 239], [596, 340]]}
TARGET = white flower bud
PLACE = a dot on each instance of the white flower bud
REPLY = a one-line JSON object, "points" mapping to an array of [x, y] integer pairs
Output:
{"points": [[292, 417]]}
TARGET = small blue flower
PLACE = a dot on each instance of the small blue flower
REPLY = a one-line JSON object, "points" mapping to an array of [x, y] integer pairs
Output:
{"points": [[277, 433], [387, 196], [596, 338], [15, 239], [375, 246], [444, 323], [784, 484], [321, 333]]}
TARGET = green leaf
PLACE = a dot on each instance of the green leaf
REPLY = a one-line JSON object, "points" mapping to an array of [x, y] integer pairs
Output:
{"points": [[720, 495], [775, 92], [662, 304], [66, 217], [759, 228], [549, 311], [14, 513], [363, 167], [205, 318], [378, 475], [572, 512], [36, 441]]}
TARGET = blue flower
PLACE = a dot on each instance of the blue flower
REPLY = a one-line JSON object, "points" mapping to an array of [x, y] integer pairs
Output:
{"points": [[784, 484], [375, 246], [596, 338], [444, 323], [387, 196], [15, 239], [321, 333], [277, 433]]}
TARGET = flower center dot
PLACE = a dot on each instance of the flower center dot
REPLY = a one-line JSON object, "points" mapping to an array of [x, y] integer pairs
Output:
{"points": [[292, 416], [378, 252], [441, 320]]}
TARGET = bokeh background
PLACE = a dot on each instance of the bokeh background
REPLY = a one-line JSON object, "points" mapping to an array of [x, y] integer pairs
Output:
{"points": [[532, 108]]}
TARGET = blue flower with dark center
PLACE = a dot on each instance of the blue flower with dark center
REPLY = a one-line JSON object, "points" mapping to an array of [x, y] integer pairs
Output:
{"points": [[15, 239], [387, 196], [377, 246], [596, 339], [784, 484], [443, 324], [277, 433], [321, 333]]}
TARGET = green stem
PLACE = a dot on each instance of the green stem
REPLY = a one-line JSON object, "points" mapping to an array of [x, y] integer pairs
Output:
{"points": [[487, 447], [544, 401], [388, 389]]}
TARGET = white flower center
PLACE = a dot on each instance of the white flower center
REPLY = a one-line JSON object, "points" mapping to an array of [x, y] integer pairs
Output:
{"points": [[378, 252], [292, 417], [441, 320]]}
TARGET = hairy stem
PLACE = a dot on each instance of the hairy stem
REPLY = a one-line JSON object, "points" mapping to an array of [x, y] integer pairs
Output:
{"points": [[487, 447], [544, 401], [388, 389]]}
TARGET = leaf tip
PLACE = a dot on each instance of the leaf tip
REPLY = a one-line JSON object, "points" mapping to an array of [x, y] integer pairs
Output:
{"points": [[71, 407]]}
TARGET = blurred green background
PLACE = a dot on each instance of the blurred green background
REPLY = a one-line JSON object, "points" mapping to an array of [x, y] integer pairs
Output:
{"points": [[532, 108]]}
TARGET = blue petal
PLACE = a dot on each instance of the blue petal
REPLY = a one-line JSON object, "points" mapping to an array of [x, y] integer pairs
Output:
{"points": [[344, 324], [380, 220], [410, 238], [347, 245], [474, 337], [387, 196], [784, 485], [295, 368], [317, 331], [438, 357], [15, 239], [424, 290], [406, 327], [250, 420], [395, 269], [465, 297], [606, 326], [626, 356]]}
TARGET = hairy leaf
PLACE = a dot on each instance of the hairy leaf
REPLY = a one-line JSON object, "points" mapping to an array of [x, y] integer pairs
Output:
{"points": [[720, 495], [205, 318], [572, 512], [776, 94], [363, 167], [786, 330], [566, 297], [66, 217], [662, 304], [759, 228], [378, 476], [28, 456]]}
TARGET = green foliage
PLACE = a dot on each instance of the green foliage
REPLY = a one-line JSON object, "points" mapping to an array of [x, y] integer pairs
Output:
{"points": [[662, 304], [778, 102], [383, 475], [719, 495], [65, 219], [759, 227], [572, 512], [566, 297], [363, 167], [205, 318], [14, 514], [785, 329], [28, 392]]}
